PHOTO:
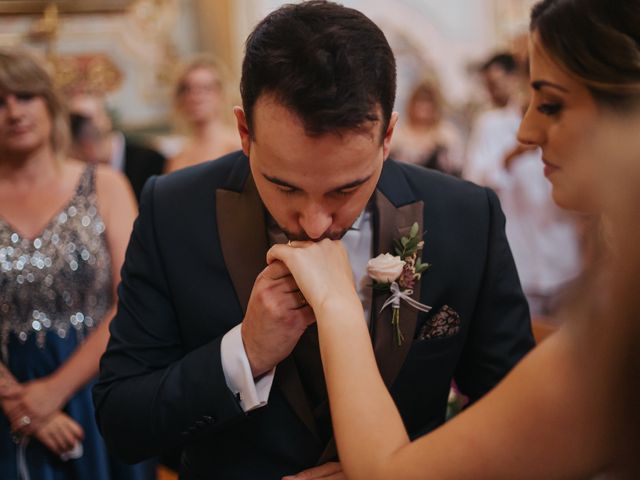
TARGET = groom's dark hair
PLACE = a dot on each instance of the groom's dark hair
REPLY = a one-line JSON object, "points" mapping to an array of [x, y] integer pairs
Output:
{"points": [[329, 64]]}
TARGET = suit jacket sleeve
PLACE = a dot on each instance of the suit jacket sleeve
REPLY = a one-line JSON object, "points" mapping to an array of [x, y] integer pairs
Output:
{"points": [[500, 330], [151, 394]]}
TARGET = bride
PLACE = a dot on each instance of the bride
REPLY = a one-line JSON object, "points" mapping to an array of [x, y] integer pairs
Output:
{"points": [[569, 409]]}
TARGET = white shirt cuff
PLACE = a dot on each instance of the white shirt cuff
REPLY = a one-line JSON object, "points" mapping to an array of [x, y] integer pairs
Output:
{"points": [[237, 372]]}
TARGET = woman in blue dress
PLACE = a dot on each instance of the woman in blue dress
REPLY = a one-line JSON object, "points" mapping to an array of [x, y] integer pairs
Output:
{"points": [[64, 227]]}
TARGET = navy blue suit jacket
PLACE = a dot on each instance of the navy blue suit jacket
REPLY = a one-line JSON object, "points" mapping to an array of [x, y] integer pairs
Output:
{"points": [[196, 248]]}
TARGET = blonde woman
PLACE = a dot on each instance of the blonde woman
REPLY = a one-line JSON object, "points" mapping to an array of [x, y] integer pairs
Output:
{"points": [[200, 100], [64, 227]]}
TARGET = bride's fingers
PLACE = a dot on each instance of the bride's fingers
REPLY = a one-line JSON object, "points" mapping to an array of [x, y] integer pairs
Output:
{"points": [[279, 252], [276, 270]]}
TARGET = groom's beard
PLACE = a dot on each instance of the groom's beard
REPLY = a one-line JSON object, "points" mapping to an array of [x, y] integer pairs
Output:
{"points": [[304, 237]]}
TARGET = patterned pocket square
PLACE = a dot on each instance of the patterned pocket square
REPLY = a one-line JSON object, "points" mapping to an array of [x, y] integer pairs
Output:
{"points": [[444, 323]]}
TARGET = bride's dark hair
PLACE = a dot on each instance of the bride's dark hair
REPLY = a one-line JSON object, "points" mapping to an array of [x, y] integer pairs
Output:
{"points": [[597, 42]]}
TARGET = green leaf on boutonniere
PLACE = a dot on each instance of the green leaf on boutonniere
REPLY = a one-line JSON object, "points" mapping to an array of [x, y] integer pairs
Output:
{"points": [[413, 233], [412, 245], [408, 245], [421, 267], [398, 248]]}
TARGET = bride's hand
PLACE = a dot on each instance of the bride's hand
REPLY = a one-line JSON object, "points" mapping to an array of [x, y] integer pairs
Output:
{"points": [[321, 270]]}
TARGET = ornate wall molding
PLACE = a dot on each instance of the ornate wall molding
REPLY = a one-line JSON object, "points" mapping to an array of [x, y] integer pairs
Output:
{"points": [[35, 7]]}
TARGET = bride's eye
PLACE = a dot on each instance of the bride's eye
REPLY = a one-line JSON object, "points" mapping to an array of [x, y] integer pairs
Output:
{"points": [[550, 109]]}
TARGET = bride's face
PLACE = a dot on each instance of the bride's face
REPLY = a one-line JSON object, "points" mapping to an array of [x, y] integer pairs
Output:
{"points": [[562, 119]]}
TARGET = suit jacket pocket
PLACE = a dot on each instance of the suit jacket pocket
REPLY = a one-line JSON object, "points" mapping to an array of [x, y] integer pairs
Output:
{"points": [[442, 324], [435, 347]]}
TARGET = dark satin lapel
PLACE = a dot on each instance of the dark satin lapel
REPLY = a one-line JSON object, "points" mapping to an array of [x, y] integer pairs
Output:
{"points": [[244, 242], [392, 223], [243, 237]]}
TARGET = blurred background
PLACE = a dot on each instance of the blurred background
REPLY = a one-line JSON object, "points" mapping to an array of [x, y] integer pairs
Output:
{"points": [[129, 49], [150, 85]]}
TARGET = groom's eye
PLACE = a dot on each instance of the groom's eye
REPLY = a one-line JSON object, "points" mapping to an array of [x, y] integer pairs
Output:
{"points": [[287, 190], [346, 191]]}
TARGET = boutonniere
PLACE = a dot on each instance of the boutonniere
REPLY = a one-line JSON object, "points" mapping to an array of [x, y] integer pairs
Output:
{"points": [[398, 274]]}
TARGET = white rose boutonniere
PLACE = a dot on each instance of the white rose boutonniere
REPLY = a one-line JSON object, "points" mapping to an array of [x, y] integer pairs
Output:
{"points": [[398, 275], [385, 268]]}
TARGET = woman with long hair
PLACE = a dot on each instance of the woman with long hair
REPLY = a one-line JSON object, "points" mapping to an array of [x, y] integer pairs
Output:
{"points": [[570, 408]]}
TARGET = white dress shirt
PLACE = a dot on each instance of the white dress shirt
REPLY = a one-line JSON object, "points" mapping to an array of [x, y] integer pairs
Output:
{"points": [[254, 394]]}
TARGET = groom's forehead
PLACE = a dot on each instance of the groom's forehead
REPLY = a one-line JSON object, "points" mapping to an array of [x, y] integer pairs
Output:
{"points": [[270, 114]]}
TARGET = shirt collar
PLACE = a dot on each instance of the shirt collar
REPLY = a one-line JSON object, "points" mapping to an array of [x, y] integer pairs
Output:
{"points": [[357, 225]]}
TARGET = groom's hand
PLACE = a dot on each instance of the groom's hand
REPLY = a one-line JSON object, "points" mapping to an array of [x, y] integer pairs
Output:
{"points": [[328, 471], [277, 315]]}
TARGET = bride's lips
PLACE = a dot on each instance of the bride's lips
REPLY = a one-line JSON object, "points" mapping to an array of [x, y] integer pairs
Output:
{"points": [[549, 168]]}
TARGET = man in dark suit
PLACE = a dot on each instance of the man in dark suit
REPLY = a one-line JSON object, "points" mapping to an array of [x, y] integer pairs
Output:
{"points": [[216, 352], [96, 141]]}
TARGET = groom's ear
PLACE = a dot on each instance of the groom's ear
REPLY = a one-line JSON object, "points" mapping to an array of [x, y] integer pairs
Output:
{"points": [[388, 135], [243, 130]]}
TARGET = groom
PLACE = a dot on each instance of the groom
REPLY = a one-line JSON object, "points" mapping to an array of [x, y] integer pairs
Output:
{"points": [[215, 352]]}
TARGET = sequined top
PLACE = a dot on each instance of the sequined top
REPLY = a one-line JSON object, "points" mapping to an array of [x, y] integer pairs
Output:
{"points": [[60, 281]]}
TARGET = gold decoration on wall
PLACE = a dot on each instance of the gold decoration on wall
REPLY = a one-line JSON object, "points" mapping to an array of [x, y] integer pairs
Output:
{"points": [[47, 27], [46, 30], [87, 73], [124, 49], [64, 6]]}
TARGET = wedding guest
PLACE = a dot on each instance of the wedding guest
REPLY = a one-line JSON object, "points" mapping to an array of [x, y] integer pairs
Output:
{"points": [[425, 137], [569, 409], [215, 351], [493, 132], [86, 139], [111, 147], [200, 100], [63, 231], [500, 75]]}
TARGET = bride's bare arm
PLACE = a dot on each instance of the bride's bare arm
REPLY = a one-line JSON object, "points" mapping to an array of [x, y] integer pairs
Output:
{"points": [[540, 422]]}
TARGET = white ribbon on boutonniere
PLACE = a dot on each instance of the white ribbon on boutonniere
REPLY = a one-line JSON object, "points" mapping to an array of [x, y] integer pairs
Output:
{"points": [[397, 275]]}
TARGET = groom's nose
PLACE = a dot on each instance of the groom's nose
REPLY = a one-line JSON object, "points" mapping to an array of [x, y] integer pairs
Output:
{"points": [[315, 221]]}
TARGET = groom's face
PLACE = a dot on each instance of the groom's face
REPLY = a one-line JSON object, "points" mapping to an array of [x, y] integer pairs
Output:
{"points": [[313, 186]]}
